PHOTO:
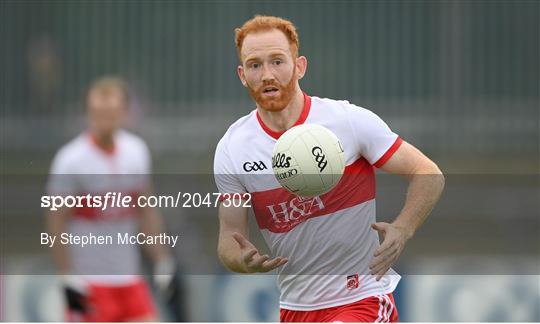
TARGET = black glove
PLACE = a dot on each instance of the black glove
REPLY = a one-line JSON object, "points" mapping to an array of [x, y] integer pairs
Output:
{"points": [[75, 299], [75, 291], [164, 271]]}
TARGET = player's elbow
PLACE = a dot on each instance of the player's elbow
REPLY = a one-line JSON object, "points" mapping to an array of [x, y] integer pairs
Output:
{"points": [[431, 170], [434, 169], [436, 174], [427, 166]]}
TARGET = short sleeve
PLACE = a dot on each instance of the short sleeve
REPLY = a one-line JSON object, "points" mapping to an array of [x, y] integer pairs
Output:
{"points": [[62, 179], [226, 180], [375, 141], [138, 152], [144, 177], [146, 159]]}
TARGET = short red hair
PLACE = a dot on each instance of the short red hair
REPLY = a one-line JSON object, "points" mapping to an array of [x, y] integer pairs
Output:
{"points": [[267, 23], [108, 85]]}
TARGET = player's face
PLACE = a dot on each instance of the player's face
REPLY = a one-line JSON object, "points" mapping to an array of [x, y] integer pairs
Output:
{"points": [[105, 112], [268, 69]]}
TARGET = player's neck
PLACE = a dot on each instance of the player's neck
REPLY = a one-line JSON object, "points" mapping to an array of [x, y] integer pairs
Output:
{"points": [[104, 142], [281, 121]]}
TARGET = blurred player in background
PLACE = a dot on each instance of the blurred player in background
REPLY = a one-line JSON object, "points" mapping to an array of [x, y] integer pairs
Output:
{"points": [[335, 234], [103, 282]]}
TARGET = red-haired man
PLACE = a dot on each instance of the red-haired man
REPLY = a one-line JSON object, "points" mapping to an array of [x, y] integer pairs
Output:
{"points": [[326, 249]]}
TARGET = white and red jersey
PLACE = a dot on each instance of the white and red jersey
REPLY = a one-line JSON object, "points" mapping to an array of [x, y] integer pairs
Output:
{"points": [[328, 239], [80, 168]]}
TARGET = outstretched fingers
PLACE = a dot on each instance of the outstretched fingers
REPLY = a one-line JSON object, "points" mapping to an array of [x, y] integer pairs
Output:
{"points": [[252, 260], [257, 261], [274, 263], [248, 256]]}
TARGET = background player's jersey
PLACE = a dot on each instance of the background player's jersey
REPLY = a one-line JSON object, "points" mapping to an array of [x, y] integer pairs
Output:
{"points": [[328, 239], [81, 167]]}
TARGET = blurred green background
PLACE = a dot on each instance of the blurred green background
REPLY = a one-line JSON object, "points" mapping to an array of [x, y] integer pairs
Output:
{"points": [[460, 79]]}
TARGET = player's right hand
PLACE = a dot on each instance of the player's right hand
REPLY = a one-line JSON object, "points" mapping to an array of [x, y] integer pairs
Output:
{"points": [[252, 261], [75, 292]]}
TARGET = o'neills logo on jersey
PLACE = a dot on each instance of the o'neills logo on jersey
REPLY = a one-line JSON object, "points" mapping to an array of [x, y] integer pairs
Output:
{"points": [[281, 160]]}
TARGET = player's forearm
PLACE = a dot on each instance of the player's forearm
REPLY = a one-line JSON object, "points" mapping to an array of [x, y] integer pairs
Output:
{"points": [[425, 189], [232, 220], [56, 225], [60, 256]]}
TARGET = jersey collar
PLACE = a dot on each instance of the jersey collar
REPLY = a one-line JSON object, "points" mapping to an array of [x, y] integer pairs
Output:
{"points": [[300, 121], [107, 150]]}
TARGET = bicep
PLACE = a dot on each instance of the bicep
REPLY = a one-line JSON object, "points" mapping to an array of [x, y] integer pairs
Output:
{"points": [[408, 160]]}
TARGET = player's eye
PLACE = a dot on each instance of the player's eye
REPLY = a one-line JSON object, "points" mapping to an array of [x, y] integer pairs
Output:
{"points": [[255, 65], [277, 62]]}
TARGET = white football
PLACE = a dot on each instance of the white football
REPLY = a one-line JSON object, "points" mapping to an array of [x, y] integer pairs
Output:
{"points": [[308, 160]]}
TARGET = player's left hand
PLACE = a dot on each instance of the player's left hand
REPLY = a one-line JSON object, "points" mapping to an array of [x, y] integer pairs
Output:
{"points": [[393, 241], [164, 271]]}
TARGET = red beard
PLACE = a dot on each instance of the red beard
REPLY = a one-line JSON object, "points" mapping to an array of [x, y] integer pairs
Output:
{"points": [[278, 102]]}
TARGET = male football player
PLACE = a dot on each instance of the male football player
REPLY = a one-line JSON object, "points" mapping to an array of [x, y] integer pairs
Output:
{"points": [[331, 266], [102, 281]]}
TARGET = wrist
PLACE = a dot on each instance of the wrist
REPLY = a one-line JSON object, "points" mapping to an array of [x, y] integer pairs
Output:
{"points": [[164, 266], [407, 231]]}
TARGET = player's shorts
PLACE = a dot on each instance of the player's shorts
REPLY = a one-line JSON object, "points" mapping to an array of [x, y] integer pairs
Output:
{"points": [[379, 309], [116, 303]]}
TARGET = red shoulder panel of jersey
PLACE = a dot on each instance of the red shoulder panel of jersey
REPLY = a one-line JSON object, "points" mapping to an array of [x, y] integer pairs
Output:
{"points": [[279, 211]]}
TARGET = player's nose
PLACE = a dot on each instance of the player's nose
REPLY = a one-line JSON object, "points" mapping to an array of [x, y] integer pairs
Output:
{"points": [[267, 74]]}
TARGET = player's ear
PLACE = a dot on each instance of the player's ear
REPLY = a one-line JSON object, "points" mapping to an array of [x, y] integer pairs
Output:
{"points": [[240, 71], [301, 67]]}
